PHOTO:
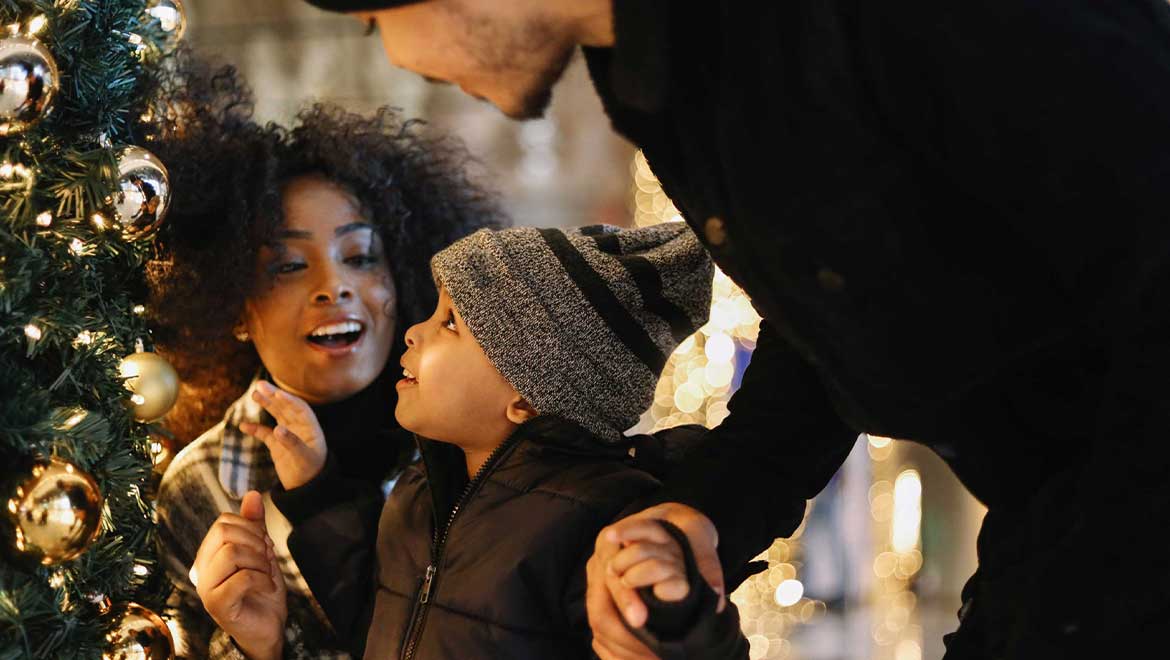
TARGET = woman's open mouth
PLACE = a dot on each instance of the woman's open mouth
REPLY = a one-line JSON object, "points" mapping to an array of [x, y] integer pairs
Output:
{"points": [[338, 336]]}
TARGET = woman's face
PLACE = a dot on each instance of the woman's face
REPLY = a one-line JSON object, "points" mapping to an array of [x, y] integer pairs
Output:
{"points": [[323, 315]]}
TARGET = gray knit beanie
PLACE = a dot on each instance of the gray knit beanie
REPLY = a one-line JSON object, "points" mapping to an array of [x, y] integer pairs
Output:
{"points": [[582, 321]]}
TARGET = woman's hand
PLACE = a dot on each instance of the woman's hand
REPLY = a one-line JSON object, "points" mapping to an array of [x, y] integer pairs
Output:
{"points": [[237, 578], [297, 444]]}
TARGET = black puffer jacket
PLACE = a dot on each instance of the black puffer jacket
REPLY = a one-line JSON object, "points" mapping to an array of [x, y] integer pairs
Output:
{"points": [[494, 567]]}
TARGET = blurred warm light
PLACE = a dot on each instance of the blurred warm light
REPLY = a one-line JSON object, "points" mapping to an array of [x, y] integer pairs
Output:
{"points": [[789, 593], [908, 649], [907, 511]]}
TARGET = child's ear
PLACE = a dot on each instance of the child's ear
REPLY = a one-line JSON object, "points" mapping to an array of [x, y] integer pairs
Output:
{"points": [[520, 411]]}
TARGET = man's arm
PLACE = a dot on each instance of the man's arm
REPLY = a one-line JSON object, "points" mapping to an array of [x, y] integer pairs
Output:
{"points": [[752, 475]]}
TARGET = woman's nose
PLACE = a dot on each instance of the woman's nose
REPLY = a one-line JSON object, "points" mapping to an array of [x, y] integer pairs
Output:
{"points": [[333, 289]]}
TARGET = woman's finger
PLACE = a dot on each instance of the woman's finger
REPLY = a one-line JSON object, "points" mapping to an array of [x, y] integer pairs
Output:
{"points": [[226, 561], [237, 587], [230, 528]]}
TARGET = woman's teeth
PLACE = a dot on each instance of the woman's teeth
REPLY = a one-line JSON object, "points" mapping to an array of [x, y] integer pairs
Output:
{"points": [[337, 329], [406, 374], [336, 334]]}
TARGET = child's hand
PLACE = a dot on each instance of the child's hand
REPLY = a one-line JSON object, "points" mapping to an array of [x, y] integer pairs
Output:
{"points": [[297, 444], [655, 561], [241, 586]]}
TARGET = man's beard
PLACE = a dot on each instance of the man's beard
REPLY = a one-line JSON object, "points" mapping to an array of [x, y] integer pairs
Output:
{"points": [[538, 96]]}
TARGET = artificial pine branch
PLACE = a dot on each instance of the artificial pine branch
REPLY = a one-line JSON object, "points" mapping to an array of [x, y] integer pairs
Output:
{"points": [[78, 285]]}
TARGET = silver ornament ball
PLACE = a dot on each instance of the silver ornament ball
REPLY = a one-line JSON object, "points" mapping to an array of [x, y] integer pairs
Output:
{"points": [[171, 17], [144, 192], [29, 82]]}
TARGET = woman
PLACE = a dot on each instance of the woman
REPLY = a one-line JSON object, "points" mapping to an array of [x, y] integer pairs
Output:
{"points": [[297, 256]]}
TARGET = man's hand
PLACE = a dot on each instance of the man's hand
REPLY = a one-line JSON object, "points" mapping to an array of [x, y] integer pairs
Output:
{"points": [[297, 444], [237, 578], [607, 594]]}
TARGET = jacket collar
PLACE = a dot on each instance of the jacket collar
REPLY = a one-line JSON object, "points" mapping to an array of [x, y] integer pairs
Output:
{"points": [[543, 435]]}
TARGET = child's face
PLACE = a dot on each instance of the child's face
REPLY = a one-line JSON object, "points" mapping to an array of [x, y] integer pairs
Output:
{"points": [[323, 317], [450, 390]]}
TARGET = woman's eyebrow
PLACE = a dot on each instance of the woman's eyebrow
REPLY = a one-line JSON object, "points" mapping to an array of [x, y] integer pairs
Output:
{"points": [[293, 233], [351, 227]]}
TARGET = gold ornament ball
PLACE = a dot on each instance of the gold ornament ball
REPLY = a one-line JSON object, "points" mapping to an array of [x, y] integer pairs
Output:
{"points": [[140, 635], [54, 513], [153, 385]]}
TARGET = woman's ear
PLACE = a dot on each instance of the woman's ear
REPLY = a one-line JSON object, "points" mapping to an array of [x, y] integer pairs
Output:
{"points": [[520, 411]]}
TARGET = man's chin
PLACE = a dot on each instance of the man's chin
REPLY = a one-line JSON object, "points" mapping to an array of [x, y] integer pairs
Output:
{"points": [[530, 107]]}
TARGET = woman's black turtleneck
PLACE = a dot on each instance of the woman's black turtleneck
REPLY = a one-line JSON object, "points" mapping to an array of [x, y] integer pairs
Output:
{"points": [[366, 446]]}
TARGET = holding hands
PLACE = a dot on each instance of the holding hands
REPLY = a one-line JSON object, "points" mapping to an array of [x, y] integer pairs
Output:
{"points": [[637, 552], [297, 444], [237, 577]]}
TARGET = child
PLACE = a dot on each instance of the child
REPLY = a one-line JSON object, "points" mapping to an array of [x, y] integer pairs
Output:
{"points": [[545, 345], [303, 254]]}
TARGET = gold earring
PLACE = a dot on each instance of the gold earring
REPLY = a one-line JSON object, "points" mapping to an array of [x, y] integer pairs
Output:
{"points": [[241, 334]]}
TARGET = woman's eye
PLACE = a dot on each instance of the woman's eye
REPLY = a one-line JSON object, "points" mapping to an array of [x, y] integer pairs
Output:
{"points": [[289, 267], [450, 324], [362, 260]]}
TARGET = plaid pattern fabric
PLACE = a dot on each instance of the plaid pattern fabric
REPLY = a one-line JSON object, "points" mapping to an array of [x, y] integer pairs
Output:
{"points": [[209, 477]]}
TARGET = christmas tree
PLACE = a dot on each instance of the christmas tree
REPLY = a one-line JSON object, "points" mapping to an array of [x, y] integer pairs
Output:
{"points": [[81, 198]]}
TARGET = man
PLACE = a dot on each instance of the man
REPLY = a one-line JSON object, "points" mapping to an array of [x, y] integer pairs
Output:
{"points": [[951, 216]]}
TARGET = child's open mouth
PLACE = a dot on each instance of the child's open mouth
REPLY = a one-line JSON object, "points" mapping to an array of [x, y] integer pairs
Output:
{"points": [[339, 335], [407, 378]]}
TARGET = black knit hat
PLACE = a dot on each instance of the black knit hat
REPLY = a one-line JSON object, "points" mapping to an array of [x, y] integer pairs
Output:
{"points": [[580, 321], [358, 5]]}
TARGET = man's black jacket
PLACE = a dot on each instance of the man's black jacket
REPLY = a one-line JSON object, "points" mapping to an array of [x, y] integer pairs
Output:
{"points": [[954, 218]]}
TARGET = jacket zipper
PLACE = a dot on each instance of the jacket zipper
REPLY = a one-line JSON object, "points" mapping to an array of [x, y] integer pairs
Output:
{"points": [[422, 601]]}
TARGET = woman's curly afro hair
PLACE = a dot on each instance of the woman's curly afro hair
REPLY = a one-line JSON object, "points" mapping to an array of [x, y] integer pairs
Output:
{"points": [[227, 173]]}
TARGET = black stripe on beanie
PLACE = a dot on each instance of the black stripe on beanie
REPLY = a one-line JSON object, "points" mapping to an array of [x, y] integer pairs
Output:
{"points": [[649, 283], [607, 305]]}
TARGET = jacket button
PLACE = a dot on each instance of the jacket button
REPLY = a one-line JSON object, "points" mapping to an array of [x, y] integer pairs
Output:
{"points": [[830, 280], [714, 230]]}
